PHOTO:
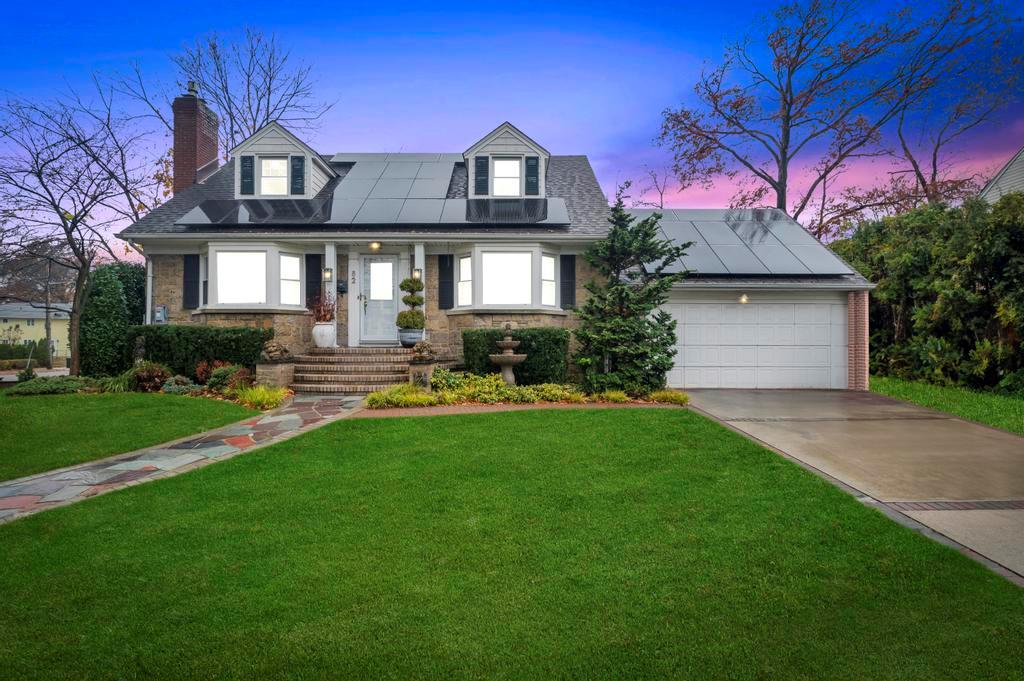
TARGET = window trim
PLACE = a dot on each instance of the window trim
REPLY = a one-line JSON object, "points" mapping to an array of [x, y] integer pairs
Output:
{"points": [[521, 160], [476, 253], [272, 282], [459, 280], [554, 278], [287, 174], [300, 280]]}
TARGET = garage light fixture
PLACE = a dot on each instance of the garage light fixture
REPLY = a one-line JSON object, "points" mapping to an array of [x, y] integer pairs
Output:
{"points": [[374, 245], [744, 299]]}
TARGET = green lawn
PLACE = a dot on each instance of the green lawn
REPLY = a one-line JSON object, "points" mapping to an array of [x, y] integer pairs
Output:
{"points": [[999, 411], [632, 543], [43, 432]]}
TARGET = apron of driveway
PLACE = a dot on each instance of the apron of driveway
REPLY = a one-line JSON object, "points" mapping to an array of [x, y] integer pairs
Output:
{"points": [[961, 479]]}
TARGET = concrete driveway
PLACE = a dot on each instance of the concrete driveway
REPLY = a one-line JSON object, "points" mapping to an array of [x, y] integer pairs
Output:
{"points": [[961, 479]]}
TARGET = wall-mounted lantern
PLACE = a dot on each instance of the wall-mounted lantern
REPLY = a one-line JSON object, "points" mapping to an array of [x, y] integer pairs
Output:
{"points": [[374, 245], [417, 274], [744, 299], [328, 274]]}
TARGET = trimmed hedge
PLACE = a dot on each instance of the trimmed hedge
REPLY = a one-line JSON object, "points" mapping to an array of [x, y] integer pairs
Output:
{"points": [[103, 325], [181, 348], [22, 350], [546, 348]]}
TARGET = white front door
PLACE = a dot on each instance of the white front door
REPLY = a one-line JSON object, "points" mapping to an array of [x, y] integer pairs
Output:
{"points": [[379, 299]]}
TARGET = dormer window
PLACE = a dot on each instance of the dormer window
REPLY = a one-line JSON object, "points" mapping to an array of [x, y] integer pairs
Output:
{"points": [[507, 177], [274, 176]]}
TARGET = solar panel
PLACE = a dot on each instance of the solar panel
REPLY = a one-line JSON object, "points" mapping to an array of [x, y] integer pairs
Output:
{"points": [[820, 260], [344, 210], [790, 233], [454, 211], [558, 213], [401, 169], [681, 232], [354, 187], [702, 259], [717, 233], [506, 211], [779, 259], [421, 211], [753, 233], [429, 188], [379, 211], [739, 259], [366, 169], [440, 169], [391, 189]]}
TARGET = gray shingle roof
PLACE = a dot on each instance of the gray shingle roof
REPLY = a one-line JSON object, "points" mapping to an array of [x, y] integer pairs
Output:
{"points": [[569, 178]]}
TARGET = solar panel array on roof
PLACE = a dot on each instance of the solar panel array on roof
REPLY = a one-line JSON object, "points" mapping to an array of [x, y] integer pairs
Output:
{"points": [[745, 242]]}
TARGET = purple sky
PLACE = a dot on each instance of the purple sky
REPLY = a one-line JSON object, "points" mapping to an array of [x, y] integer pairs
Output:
{"points": [[585, 78]]}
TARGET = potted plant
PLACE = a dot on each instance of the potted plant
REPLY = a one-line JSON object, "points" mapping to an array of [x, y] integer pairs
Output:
{"points": [[325, 332], [410, 322]]}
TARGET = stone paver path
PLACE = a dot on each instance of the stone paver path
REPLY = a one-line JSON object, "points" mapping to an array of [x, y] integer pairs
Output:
{"points": [[67, 485]]}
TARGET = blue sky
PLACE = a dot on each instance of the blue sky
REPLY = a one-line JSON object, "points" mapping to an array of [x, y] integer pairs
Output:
{"points": [[588, 78]]}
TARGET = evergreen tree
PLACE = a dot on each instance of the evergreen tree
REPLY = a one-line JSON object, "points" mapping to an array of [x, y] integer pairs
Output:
{"points": [[104, 330], [625, 341]]}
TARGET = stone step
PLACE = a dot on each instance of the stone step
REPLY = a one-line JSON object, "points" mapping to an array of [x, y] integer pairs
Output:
{"points": [[330, 368], [362, 379], [384, 350], [337, 388]]}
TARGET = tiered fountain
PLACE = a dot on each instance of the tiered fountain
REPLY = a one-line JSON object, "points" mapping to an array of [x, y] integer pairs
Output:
{"points": [[506, 359]]}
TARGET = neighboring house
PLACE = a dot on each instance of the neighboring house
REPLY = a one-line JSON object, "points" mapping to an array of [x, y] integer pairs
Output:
{"points": [[26, 322], [496, 232], [1010, 178]]}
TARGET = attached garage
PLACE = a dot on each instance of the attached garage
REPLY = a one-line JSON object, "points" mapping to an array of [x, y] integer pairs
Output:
{"points": [[774, 340], [764, 305]]}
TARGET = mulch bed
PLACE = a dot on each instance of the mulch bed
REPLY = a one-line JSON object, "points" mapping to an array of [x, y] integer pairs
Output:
{"points": [[448, 410]]}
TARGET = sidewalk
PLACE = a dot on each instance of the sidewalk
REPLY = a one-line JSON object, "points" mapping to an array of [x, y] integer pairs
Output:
{"points": [[64, 486]]}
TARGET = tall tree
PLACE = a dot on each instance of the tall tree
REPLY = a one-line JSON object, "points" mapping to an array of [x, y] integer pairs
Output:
{"points": [[787, 113], [625, 341], [248, 83]]}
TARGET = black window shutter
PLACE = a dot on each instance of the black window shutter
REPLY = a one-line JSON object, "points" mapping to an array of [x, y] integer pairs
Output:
{"points": [[567, 267], [445, 282], [314, 265], [532, 176], [190, 284], [481, 183], [248, 185], [298, 175]]}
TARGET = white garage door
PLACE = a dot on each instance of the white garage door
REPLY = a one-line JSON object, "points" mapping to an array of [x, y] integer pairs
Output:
{"points": [[774, 343]]}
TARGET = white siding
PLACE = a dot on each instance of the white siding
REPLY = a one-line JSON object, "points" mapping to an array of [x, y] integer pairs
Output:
{"points": [[1009, 179], [274, 142], [505, 142]]}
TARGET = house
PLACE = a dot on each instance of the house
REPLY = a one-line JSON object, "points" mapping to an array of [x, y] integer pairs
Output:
{"points": [[496, 233], [1010, 178], [26, 322]]}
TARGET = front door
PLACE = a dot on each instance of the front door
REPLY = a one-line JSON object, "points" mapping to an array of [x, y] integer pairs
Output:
{"points": [[379, 299]]}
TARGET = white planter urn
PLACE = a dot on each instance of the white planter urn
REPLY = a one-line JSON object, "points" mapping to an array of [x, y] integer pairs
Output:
{"points": [[325, 335]]}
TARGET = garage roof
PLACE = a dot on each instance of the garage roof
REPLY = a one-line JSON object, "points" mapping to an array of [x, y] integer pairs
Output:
{"points": [[746, 242]]}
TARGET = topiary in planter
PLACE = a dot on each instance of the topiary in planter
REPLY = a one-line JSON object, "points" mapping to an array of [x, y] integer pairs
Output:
{"points": [[411, 322]]}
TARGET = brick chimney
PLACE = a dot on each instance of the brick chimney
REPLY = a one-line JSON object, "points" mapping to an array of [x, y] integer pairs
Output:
{"points": [[195, 137]]}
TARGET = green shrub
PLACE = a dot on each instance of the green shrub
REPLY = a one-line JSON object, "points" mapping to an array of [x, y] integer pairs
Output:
{"points": [[148, 377], [180, 385], [410, 319], [405, 395], [259, 396], [104, 326], [242, 378], [553, 392], [204, 368], [413, 317], [28, 373], [181, 348], [546, 349], [614, 396], [133, 282], [122, 383], [443, 379], [8, 364], [22, 351], [53, 385], [670, 397], [221, 377]]}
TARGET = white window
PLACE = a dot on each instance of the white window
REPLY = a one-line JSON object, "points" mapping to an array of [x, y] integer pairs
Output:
{"points": [[547, 280], [241, 278], [31, 322], [465, 280], [291, 286], [274, 176], [507, 278], [507, 174]]}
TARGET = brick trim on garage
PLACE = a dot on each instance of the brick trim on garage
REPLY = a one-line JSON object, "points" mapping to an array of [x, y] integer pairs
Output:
{"points": [[857, 340]]}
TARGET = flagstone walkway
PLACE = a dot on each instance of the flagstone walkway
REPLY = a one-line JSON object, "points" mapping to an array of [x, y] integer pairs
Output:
{"points": [[64, 486]]}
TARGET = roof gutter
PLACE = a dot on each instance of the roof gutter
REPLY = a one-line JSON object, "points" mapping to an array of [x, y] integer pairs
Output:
{"points": [[362, 237], [761, 285]]}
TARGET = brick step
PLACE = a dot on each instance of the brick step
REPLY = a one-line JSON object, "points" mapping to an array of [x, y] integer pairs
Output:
{"points": [[361, 351], [336, 388], [328, 368], [360, 379], [361, 360]]}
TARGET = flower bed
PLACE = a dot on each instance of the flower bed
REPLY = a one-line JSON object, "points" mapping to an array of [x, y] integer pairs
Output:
{"points": [[463, 388]]}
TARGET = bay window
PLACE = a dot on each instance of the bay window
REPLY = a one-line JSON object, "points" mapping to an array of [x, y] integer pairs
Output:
{"points": [[465, 281], [507, 278], [274, 176], [241, 277], [507, 177], [291, 282], [547, 280]]}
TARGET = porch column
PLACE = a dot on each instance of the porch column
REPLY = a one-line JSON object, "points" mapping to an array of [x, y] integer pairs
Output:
{"points": [[328, 289], [149, 291], [419, 262]]}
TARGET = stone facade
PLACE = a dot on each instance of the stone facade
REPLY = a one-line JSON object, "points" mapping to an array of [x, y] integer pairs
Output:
{"points": [[294, 330], [280, 375], [168, 275], [857, 340]]}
